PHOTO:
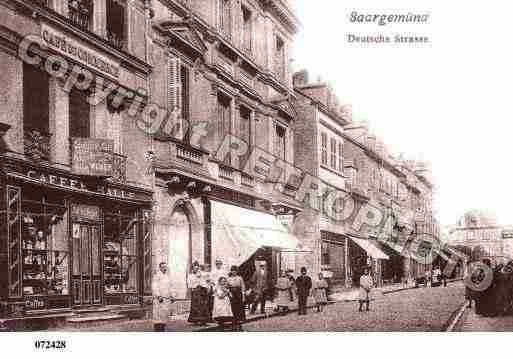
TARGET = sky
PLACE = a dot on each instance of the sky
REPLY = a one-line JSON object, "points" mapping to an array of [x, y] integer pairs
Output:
{"points": [[446, 101]]}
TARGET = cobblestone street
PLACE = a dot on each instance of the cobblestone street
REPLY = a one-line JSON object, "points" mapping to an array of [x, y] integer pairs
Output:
{"points": [[424, 309]]}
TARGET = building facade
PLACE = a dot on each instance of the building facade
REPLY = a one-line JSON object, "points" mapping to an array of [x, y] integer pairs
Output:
{"points": [[224, 67], [75, 201], [349, 159]]}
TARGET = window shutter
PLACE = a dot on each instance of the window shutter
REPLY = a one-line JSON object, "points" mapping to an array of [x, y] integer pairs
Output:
{"points": [[174, 87]]}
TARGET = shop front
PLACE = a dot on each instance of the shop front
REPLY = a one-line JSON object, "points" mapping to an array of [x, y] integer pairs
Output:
{"points": [[71, 242]]}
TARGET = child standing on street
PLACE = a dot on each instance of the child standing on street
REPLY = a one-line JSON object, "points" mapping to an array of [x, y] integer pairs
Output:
{"points": [[320, 295]]}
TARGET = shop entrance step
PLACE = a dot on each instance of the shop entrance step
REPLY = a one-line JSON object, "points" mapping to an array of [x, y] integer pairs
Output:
{"points": [[80, 321]]}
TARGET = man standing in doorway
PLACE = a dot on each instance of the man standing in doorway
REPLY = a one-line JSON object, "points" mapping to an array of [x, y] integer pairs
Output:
{"points": [[259, 285], [162, 298], [303, 285]]}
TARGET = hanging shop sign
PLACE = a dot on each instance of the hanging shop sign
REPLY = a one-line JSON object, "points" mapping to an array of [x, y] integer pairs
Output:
{"points": [[92, 157], [78, 51]]}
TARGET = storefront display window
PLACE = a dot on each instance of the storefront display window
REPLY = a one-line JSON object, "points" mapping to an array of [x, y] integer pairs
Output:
{"points": [[120, 252], [44, 245]]}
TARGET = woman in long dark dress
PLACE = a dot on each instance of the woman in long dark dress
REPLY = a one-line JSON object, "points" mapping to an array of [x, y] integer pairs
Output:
{"points": [[197, 283], [237, 289]]}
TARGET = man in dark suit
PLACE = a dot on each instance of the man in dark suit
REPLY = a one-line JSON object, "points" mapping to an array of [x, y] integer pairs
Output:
{"points": [[303, 285], [259, 286]]}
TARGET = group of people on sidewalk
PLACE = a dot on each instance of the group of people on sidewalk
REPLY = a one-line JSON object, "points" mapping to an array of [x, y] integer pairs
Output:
{"points": [[490, 288], [222, 297]]}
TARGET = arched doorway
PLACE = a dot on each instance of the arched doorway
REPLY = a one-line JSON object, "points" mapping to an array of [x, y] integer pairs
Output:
{"points": [[179, 255]]}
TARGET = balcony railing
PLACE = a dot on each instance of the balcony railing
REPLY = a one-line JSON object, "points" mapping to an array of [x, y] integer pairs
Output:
{"points": [[189, 155], [116, 41], [247, 180], [226, 173], [80, 12], [37, 145], [118, 168]]}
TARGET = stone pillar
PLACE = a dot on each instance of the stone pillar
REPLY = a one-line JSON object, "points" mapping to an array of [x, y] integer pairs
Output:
{"points": [[100, 17], [11, 100], [59, 123]]}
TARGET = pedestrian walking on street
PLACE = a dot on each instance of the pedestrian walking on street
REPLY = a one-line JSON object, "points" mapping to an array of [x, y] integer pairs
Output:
{"points": [[259, 287], [162, 298], [304, 286], [366, 284], [320, 292], [283, 295], [237, 289], [199, 286]]}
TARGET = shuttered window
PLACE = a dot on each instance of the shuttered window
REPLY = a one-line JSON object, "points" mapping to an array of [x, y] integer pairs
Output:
{"points": [[79, 114], [333, 153], [178, 91], [324, 149], [341, 156]]}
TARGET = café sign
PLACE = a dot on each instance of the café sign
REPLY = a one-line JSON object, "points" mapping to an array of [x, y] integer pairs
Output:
{"points": [[69, 47], [92, 157]]}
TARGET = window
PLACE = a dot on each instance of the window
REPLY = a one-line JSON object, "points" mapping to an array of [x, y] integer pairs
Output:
{"points": [[116, 23], [41, 231], [120, 251], [80, 12], [279, 59], [245, 130], [36, 112], [324, 149], [333, 153], [184, 93], [279, 141], [245, 125], [178, 87], [325, 254], [341, 156], [247, 29], [78, 114], [224, 114], [225, 21]]}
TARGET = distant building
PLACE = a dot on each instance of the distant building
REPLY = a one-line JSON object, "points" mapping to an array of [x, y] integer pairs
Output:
{"points": [[482, 236]]}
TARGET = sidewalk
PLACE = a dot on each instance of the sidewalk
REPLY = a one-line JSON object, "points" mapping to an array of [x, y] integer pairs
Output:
{"points": [[471, 322]]}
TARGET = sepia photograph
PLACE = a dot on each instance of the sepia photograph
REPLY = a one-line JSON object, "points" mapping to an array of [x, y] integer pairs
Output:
{"points": [[290, 166]]}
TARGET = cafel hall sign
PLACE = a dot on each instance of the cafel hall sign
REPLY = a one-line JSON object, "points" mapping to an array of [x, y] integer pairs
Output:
{"points": [[75, 184], [76, 50]]}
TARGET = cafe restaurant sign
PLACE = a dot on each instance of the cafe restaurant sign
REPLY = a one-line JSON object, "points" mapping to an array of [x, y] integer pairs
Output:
{"points": [[81, 53], [92, 157]]}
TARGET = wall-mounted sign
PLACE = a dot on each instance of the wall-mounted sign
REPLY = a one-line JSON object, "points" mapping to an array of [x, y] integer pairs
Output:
{"points": [[84, 212], [76, 50], [92, 157]]}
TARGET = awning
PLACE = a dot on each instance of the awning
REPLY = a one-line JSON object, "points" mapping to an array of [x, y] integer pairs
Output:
{"points": [[370, 248], [237, 233]]}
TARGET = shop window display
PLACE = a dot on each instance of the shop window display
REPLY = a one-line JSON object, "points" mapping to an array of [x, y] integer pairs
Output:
{"points": [[44, 244], [120, 252]]}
